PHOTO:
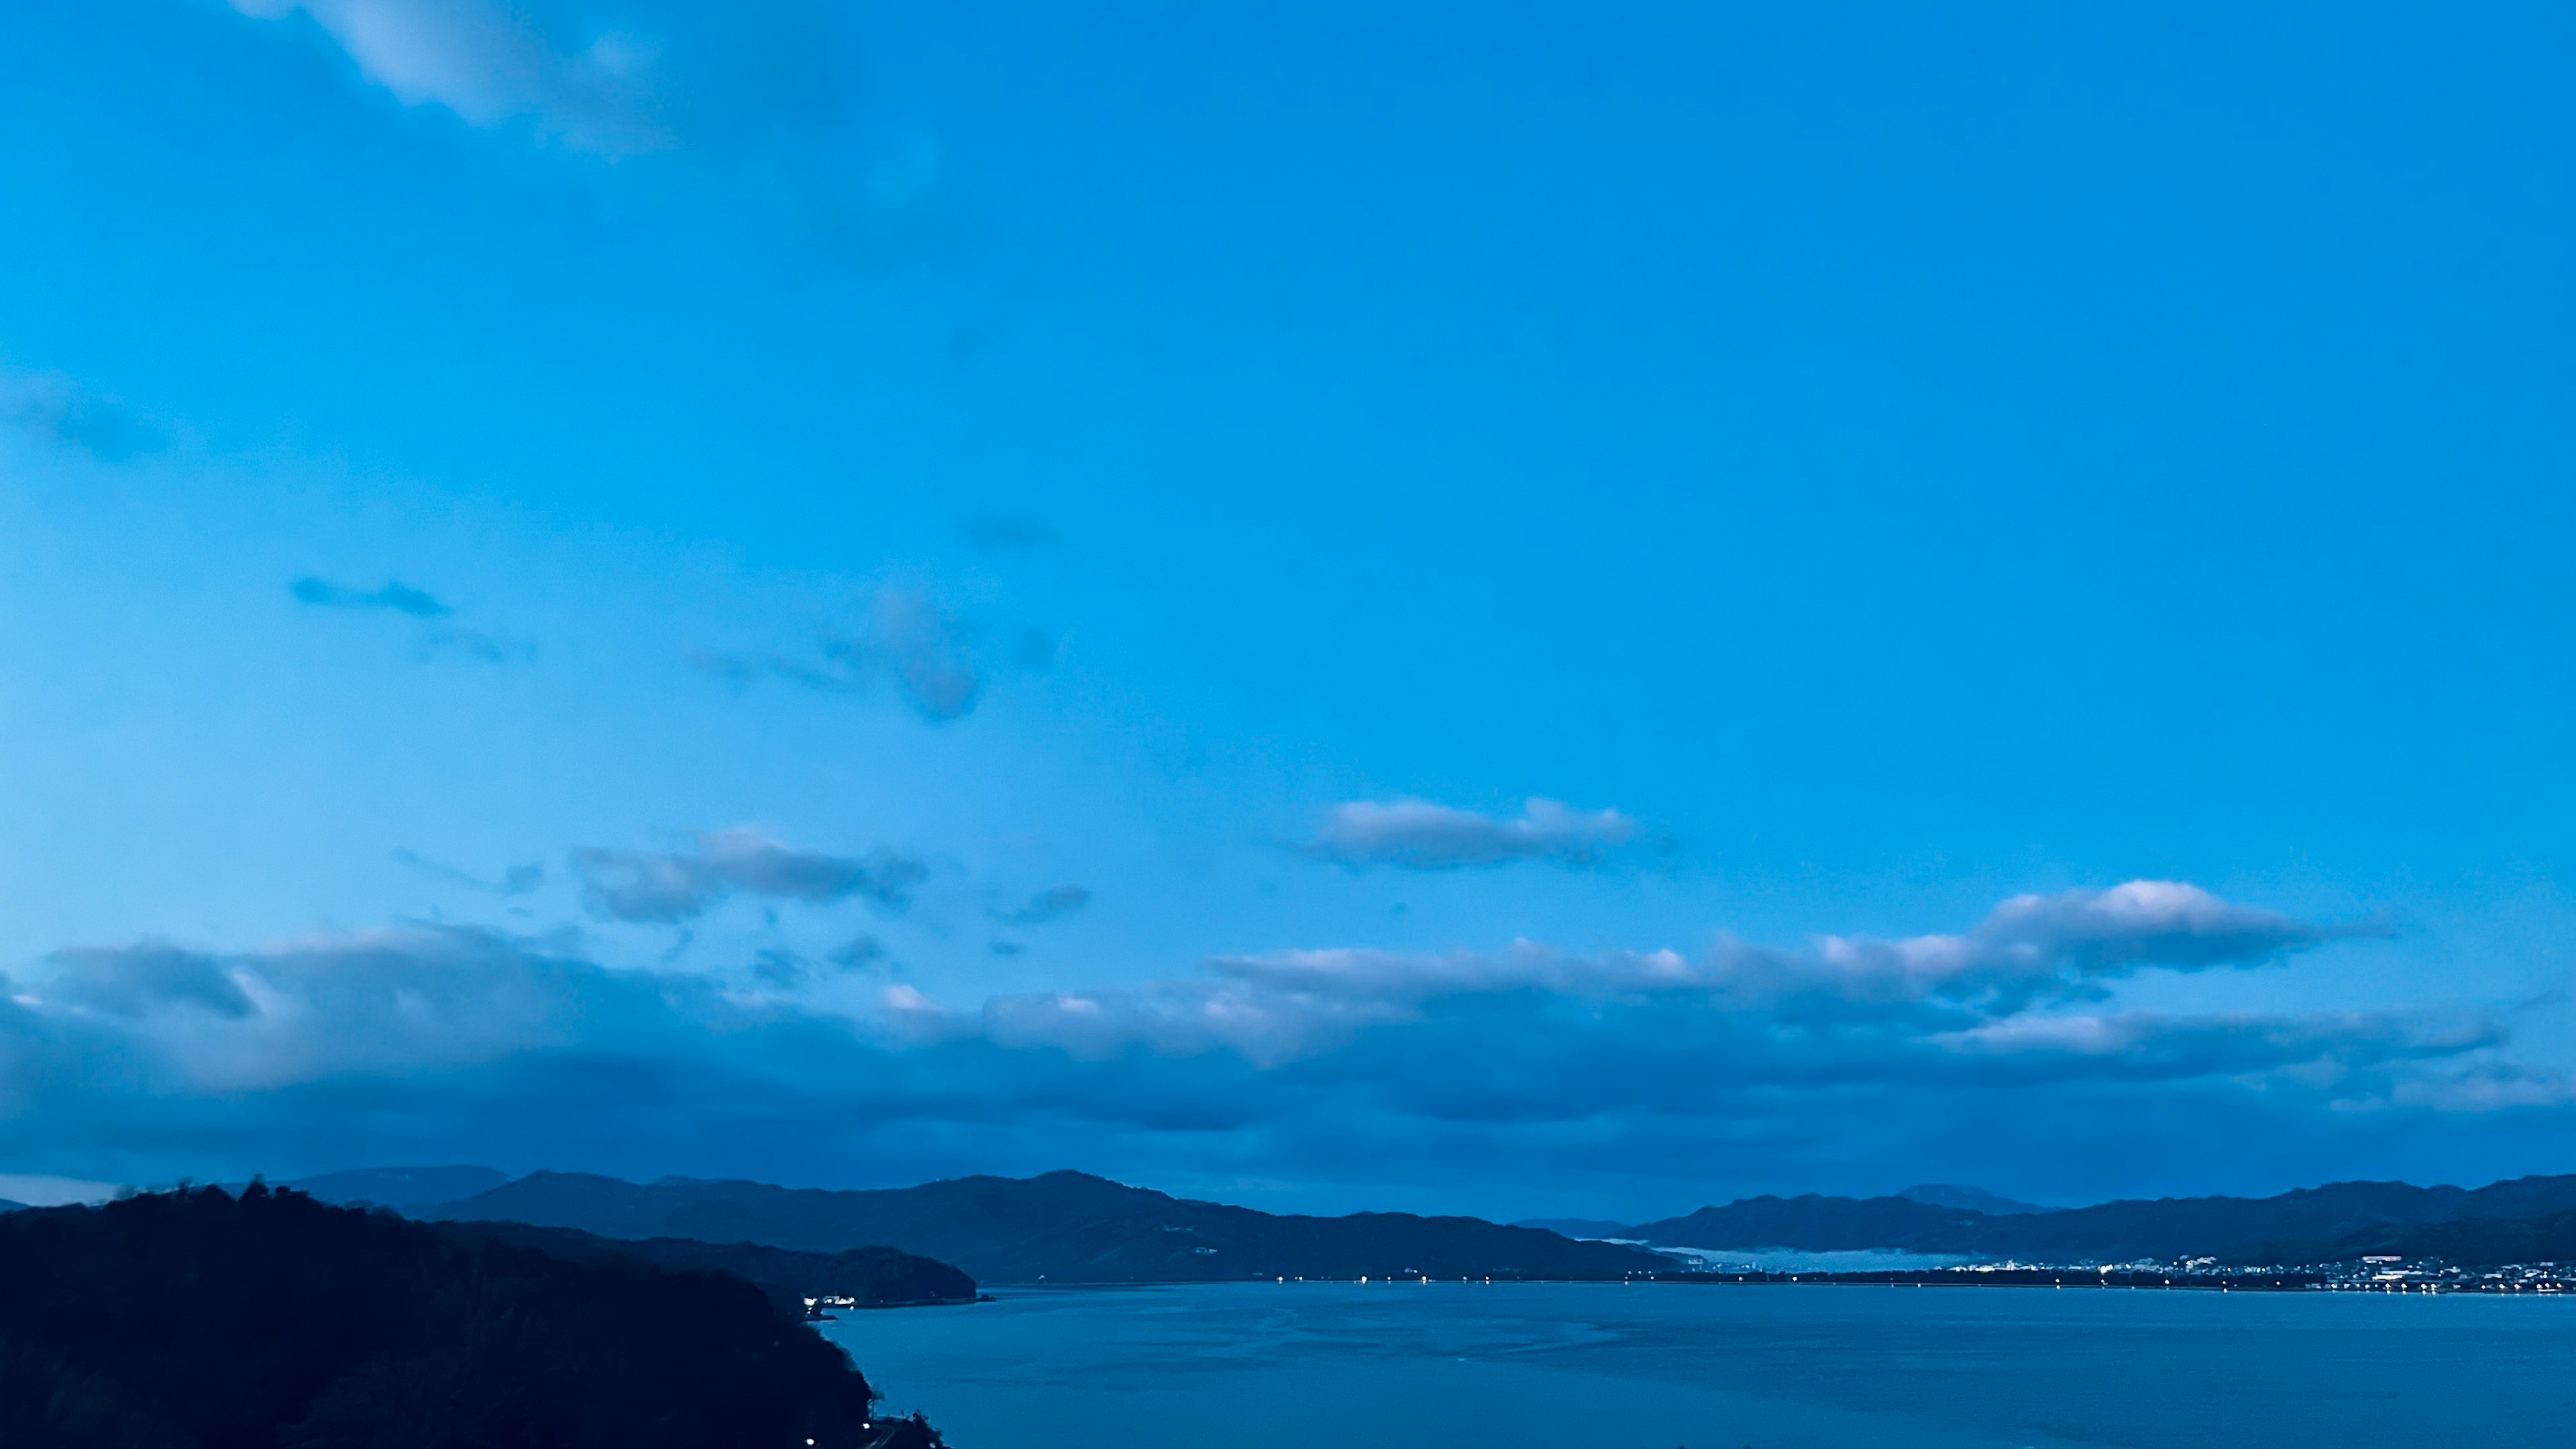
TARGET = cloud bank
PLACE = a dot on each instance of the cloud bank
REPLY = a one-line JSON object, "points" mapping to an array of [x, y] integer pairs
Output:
{"points": [[1741, 1062], [1420, 835]]}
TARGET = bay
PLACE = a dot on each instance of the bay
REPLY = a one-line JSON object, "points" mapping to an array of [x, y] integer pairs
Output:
{"points": [[1656, 1366]]}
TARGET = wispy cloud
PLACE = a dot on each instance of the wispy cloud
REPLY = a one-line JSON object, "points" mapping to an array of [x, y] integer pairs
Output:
{"points": [[667, 888], [616, 79], [435, 631], [53, 406], [926, 653], [859, 951], [516, 880], [397, 596], [1421, 835], [1000, 531], [1052, 904]]}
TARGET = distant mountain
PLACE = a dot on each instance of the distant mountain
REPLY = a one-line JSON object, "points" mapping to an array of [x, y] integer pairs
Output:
{"points": [[7, 1206], [2467, 1243], [2238, 1229], [400, 1188], [1816, 1224], [1064, 1227], [1575, 1227], [2309, 1225], [875, 1277], [1974, 1199]]}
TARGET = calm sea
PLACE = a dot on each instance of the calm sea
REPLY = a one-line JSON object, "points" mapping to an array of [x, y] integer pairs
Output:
{"points": [[1717, 1367]]}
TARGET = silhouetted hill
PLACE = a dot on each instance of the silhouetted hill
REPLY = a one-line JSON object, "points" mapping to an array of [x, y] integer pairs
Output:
{"points": [[875, 1277], [2236, 1229], [1816, 1224], [400, 1188], [2229, 1227], [2468, 1243], [1575, 1227], [195, 1320], [1064, 1227], [7, 1206], [1974, 1199]]}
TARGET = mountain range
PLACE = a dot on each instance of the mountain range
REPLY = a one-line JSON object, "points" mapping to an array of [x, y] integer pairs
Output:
{"points": [[1069, 1227], [870, 1277], [2503, 1222], [1063, 1227]]}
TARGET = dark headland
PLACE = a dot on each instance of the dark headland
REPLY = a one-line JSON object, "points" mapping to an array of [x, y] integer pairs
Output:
{"points": [[202, 1320]]}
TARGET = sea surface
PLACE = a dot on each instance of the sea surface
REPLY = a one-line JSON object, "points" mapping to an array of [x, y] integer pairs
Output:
{"points": [[1408, 1366]]}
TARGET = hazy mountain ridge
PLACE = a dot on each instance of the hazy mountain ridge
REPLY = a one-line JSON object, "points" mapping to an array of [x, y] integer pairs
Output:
{"points": [[1063, 1227], [2320, 1224], [876, 1277], [1575, 1227], [1975, 1199], [400, 1188], [1815, 1223], [1070, 1227]]}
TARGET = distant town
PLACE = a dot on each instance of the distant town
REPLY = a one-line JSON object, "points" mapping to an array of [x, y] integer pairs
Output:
{"points": [[2374, 1274]]}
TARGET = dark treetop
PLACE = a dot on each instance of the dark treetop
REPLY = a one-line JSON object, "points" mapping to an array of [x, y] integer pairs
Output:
{"points": [[197, 1320]]}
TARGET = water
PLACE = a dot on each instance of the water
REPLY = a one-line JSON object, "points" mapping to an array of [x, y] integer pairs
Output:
{"points": [[1250, 1366]]}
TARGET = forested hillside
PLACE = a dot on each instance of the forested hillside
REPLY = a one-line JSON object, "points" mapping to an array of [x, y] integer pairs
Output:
{"points": [[201, 1320]]}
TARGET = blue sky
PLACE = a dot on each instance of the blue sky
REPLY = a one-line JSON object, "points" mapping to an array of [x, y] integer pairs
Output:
{"points": [[1564, 608]]}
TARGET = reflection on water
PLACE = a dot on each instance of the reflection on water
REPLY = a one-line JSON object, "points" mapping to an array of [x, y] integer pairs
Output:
{"points": [[1452, 1365]]}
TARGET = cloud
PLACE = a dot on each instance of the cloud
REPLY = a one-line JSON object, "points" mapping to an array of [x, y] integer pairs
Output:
{"points": [[516, 880], [1946, 995], [643, 886], [1052, 904], [396, 595], [55, 407], [779, 967], [926, 653], [435, 634], [923, 647], [859, 951], [996, 532], [136, 980], [619, 79], [1420, 835], [1476, 1070], [2143, 923]]}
